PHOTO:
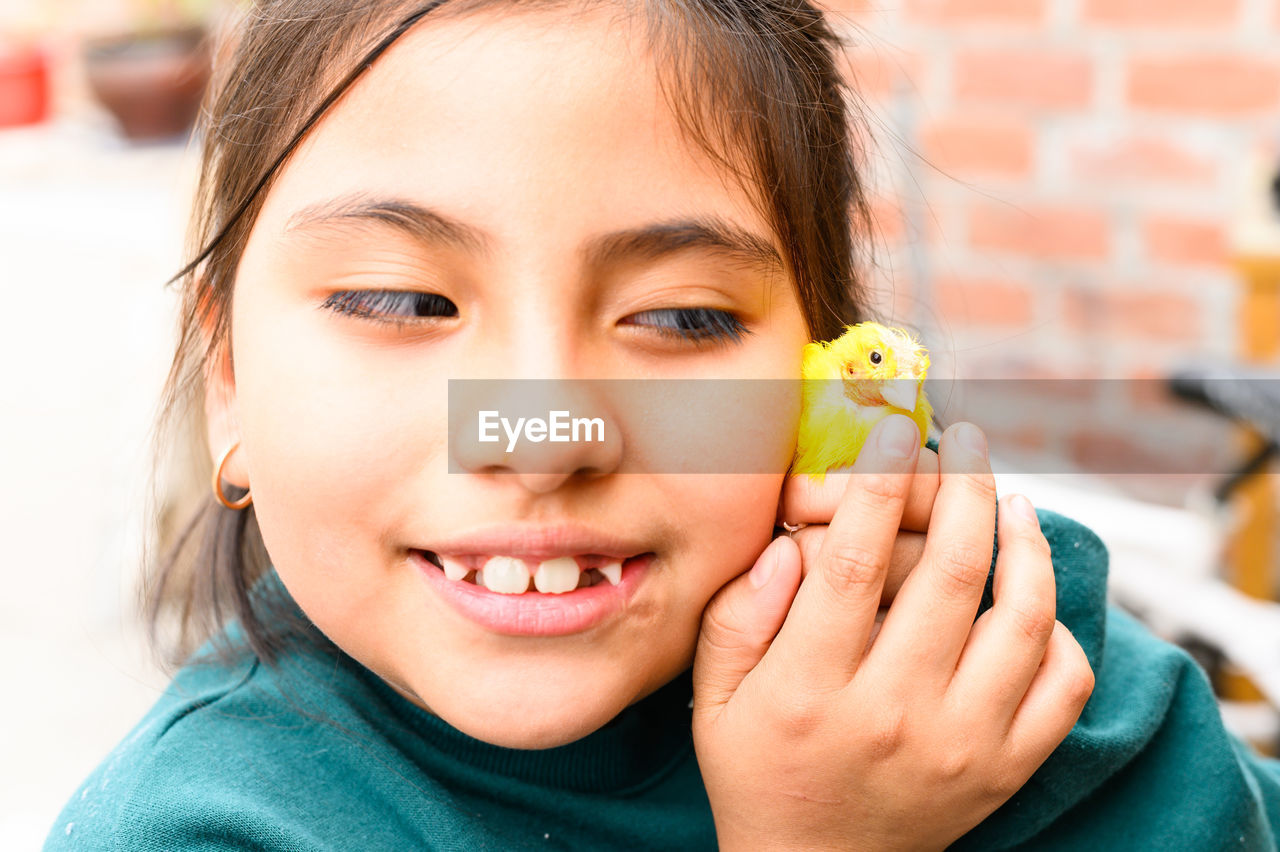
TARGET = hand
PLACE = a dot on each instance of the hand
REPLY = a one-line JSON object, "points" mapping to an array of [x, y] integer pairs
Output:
{"points": [[813, 503], [808, 739]]}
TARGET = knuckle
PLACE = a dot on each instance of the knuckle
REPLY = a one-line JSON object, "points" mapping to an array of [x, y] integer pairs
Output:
{"points": [[955, 763], [981, 485], [961, 569], [723, 630], [1077, 675], [1038, 544], [797, 712], [882, 488], [1082, 687], [1034, 619], [886, 734], [1083, 682], [1002, 783], [852, 566]]}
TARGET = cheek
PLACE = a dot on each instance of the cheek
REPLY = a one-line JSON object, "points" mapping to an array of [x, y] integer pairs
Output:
{"points": [[333, 440], [729, 520]]}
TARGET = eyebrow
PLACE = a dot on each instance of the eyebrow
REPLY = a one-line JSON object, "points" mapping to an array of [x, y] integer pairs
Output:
{"points": [[648, 243]]}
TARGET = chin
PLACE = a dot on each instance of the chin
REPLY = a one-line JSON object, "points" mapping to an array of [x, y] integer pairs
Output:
{"points": [[533, 709], [538, 732], [539, 724]]}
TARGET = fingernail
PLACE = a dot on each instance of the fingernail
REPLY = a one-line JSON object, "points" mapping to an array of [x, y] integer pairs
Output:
{"points": [[1022, 506], [898, 436], [972, 439], [766, 565]]}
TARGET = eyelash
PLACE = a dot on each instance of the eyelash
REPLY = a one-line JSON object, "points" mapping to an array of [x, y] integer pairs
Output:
{"points": [[697, 325], [372, 305]]}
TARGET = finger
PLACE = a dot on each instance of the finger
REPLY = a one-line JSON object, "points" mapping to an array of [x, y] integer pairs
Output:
{"points": [[940, 598], [908, 547], [806, 500], [1054, 701], [1008, 641], [821, 641], [740, 621]]}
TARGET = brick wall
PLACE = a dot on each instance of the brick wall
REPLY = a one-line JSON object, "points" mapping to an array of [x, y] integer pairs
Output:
{"points": [[1067, 171], [1058, 181]]}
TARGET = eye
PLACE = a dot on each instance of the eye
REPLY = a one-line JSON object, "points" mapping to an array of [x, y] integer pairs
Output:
{"points": [[876, 357], [694, 324], [393, 307]]}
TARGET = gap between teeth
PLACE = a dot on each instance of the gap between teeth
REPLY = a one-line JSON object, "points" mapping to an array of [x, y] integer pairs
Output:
{"points": [[510, 576]]}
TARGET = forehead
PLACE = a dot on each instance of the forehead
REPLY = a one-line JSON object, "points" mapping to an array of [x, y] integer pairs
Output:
{"points": [[557, 115]]}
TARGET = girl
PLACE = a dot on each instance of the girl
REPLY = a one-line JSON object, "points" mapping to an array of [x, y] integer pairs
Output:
{"points": [[426, 641]]}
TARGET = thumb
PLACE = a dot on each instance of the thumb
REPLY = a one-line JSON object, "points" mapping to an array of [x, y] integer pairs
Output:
{"points": [[740, 622]]}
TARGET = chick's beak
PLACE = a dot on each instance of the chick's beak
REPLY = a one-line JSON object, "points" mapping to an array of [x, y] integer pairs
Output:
{"points": [[901, 393]]}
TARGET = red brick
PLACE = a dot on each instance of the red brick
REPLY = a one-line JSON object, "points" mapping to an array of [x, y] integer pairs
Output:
{"points": [[983, 301], [1159, 14], [1219, 85], [983, 146], [1023, 436], [1184, 241], [1047, 79], [1123, 450], [981, 12], [1139, 159], [1131, 314], [1041, 231]]}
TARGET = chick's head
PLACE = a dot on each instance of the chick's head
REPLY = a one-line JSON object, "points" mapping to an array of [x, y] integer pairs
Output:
{"points": [[878, 365]]}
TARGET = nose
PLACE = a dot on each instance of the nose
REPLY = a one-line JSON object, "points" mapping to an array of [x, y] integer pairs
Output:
{"points": [[544, 432]]}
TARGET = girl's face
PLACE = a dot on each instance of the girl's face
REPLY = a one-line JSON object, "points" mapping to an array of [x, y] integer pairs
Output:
{"points": [[479, 160]]}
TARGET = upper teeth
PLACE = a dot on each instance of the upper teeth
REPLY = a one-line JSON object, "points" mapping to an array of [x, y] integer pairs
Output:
{"points": [[556, 576], [510, 576], [505, 574], [612, 572]]}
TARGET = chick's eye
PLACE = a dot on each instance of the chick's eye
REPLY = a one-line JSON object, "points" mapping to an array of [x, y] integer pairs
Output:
{"points": [[694, 324], [876, 357], [395, 307]]}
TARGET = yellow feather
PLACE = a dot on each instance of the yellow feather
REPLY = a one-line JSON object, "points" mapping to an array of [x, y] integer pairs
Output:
{"points": [[845, 381]]}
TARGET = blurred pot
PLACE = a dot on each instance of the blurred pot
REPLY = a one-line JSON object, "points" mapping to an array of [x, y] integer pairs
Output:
{"points": [[151, 82], [24, 86]]}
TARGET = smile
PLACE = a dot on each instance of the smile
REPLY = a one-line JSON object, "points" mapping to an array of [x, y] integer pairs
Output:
{"points": [[513, 608], [511, 575]]}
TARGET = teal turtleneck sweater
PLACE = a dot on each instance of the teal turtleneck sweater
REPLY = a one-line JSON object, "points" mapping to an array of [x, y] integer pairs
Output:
{"points": [[316, 752]]}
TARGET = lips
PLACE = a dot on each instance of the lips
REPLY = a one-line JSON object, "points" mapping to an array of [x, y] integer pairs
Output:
{"points": [[537, 543]]}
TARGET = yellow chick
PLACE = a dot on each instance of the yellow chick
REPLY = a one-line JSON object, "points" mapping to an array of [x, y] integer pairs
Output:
{"points": [[852, 383]]}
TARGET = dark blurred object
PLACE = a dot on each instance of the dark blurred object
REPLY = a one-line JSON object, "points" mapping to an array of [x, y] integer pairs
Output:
{"points": [[1247, 394], [152, 82], [1275, 191], [24, 85]]}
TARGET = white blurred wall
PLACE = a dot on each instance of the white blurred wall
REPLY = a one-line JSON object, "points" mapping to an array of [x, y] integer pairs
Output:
{"points": [[89, 231]]}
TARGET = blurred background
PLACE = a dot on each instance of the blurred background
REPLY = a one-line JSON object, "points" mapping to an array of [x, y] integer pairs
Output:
{"points": [[1074, 197]]}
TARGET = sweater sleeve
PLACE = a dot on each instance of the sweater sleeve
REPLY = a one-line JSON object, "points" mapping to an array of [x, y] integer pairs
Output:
{"points": [[1149, 764]]}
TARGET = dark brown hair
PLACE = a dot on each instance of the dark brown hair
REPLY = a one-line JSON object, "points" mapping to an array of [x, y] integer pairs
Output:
{"points": [[756, 84]]}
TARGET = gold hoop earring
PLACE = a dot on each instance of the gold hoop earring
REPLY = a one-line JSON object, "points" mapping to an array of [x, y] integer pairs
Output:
{"points": [[217, 483]]}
